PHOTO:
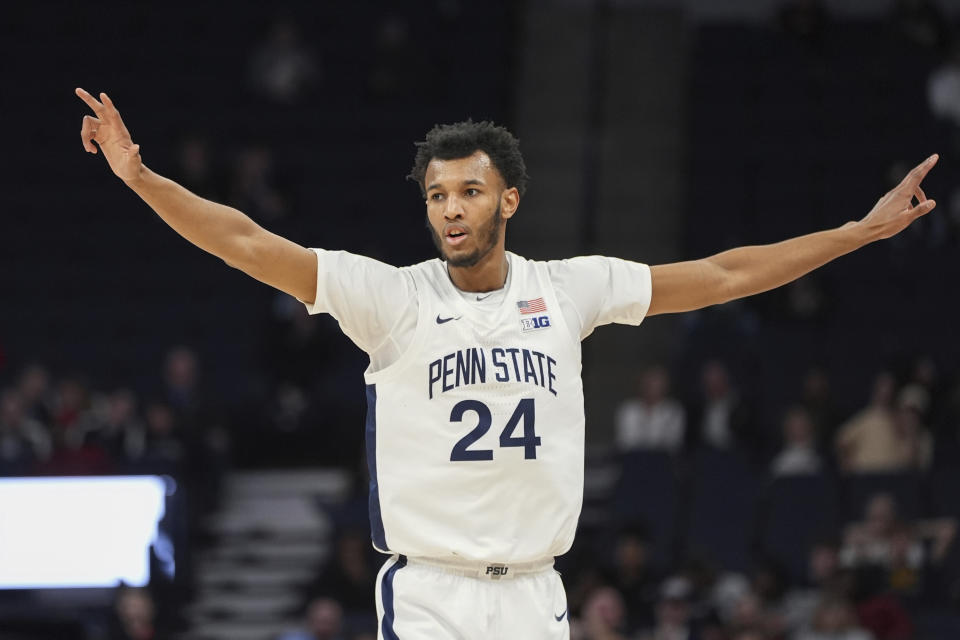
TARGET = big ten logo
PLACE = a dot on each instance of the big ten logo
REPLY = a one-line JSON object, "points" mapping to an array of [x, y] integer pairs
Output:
{"points": [[537, 322], [497, 570]]}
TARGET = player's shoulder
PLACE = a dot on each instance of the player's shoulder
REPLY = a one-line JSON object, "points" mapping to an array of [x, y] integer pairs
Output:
{"points": [[588, 278], [356, 268]]}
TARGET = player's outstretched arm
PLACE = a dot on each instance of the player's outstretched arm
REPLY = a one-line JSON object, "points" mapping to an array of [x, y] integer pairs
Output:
{"points": [[223, 231], [685, 286]]}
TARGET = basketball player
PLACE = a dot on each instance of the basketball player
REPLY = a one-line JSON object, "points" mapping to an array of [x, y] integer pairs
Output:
{"points": [[475, 424]]}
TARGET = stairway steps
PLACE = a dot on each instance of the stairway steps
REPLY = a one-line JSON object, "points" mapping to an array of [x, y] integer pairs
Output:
{"points": [[243, 630], [230, 576], [270, 536], [262, 551]]}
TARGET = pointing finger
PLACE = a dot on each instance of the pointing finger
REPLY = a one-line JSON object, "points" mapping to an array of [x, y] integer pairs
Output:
{"points": [[919, 172], [91, 101]]}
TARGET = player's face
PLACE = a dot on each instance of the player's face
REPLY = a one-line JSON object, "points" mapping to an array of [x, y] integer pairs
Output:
{"points": [[464, 208]]}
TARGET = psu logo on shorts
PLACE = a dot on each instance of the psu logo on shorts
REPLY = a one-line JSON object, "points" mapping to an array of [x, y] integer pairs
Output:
{"points": [[497, 571], [534, 323]]}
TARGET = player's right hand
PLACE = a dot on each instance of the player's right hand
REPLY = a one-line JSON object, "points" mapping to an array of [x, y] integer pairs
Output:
{"points": [[109, 132]]}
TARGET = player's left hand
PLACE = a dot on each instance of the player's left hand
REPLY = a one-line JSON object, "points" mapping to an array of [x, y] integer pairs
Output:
{"points": [[895, 211], [109, 132]]}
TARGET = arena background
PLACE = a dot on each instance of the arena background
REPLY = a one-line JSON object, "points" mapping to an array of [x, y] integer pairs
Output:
{"points": [[654, 131]]}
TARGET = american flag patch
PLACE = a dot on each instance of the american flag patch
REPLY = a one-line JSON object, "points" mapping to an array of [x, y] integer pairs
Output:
{"points": [[532, 306]]}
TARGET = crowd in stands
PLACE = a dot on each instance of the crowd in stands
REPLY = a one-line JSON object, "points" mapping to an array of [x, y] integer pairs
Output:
{"points": [[899, 429], [874, 572], [868, 576], [64, 427]]}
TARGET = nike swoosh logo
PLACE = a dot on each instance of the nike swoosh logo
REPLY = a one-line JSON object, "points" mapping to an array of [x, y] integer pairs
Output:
{"points": [[442, 320], [484, 297], [560, 617]]}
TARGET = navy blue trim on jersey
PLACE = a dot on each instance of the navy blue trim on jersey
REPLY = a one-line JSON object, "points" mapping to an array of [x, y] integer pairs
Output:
{"points": [[376, 518], [386, 592]]}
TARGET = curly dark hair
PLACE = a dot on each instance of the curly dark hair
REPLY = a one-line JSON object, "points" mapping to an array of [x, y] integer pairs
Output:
{"points": [[462, 139]]}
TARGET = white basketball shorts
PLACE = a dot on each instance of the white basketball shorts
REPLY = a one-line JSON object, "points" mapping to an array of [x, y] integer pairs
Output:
{"points": [[424, 600]]}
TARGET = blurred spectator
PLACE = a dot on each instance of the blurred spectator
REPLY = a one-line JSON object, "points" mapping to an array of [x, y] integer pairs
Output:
{"points": [[920, 22], [181, 379], [34, 388], [632, 575], [834, 619], [709, 586], [799, 455], [603, 617], [673, 614], [768, 581], [71, 405], [654, 420], [72, 420], [164, 451], [747, 614], [726, 594], [722, 419], [194, 411], [23, 440], [324, 622], [283, 68], [824, 579], [135, 616], [880, 612], [755, 605], [119, 429], [868, 542], [883, 539], [868, 441], [253, 187], [351, 576]]}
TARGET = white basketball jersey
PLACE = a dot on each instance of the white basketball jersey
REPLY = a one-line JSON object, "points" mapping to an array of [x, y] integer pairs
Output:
{"points": [[475, 434]]}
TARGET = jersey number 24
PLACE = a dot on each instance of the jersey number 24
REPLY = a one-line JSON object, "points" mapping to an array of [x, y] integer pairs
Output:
{"points": [[524, 412]]}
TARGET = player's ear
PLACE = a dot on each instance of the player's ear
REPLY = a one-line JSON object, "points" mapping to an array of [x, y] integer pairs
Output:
{"points": [[509, 201]]}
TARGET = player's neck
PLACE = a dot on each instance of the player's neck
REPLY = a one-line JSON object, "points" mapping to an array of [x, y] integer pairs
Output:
{"points": [[489, 274]]}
